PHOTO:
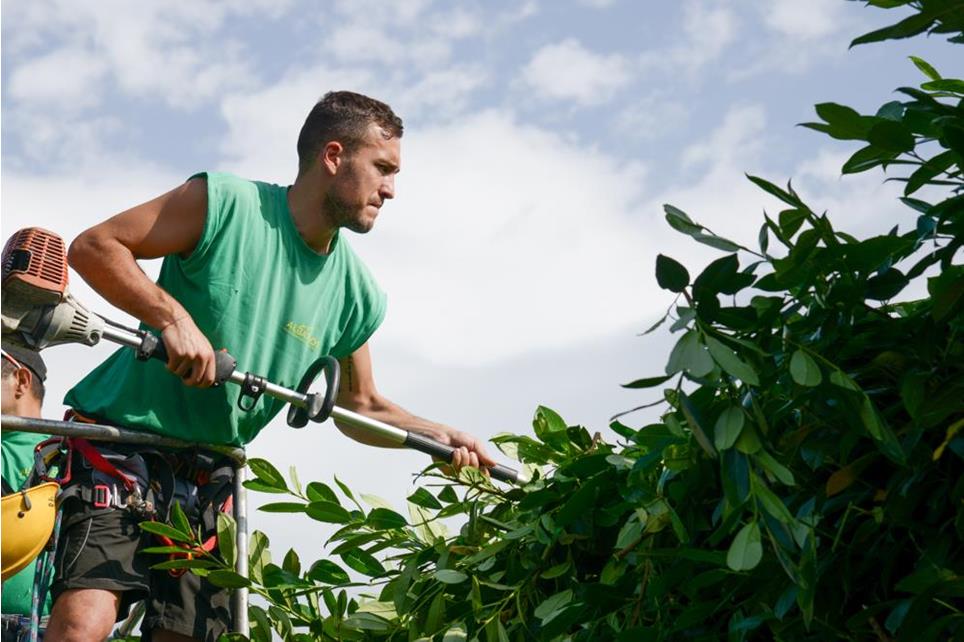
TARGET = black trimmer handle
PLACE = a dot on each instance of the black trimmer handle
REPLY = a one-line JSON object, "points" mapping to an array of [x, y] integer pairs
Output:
{"points": [[318, 407], [429, 446], [152, 347]]}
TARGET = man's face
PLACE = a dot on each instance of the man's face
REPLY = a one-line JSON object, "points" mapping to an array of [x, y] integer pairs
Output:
{"points": [[365, 180]]}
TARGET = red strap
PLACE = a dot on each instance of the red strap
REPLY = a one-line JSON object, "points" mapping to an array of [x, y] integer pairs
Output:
{"points": [[97, 461]]}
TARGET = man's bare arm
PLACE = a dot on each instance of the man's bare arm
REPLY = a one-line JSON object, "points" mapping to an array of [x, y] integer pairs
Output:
{"points": [[358, 394], [106, 257]]}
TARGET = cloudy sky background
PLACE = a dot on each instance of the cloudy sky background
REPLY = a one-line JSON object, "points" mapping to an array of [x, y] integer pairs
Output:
{"points": [[542, 139]]}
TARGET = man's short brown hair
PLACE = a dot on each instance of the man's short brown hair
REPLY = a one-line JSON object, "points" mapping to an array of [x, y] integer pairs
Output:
{"points": [[343, 116]]}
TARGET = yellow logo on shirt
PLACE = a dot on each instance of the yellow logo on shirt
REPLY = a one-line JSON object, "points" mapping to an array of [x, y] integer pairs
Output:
{"points": [[302, 332]]}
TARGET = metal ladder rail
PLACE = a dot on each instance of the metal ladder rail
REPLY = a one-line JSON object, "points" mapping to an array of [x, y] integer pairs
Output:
{"points": [[99, 432]]}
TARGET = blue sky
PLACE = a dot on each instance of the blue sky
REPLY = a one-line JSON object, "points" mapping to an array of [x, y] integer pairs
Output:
{"points": [[542, 139]]}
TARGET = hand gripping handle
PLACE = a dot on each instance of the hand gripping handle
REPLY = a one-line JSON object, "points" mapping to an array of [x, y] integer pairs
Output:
{"points": [[429, 446], [152, 347], [317, 407]]}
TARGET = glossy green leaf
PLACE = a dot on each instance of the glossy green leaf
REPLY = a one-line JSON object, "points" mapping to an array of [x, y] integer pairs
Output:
{"points": [[775, 468], [728, 427], [158, 528], [227, 538], [267, 474], [227, 579], [730, 362], [746, 550], [292, 564], [364, 621], [891, 136], [925, 67], [770, 502], [650, 382], [689, 354], [425, 499], [951, 85], [692, 414], [283, 507], [449, 576], [553, 603], [680, 221], [749, 441], [179, 519], [328, 572], [770, 188], [318, 491], [717, 242], [804, 369], [550, 428], [363, 562], [261, 487], [385, 519], [867, 158], [325, 511], [910, 26], [670, 274]]}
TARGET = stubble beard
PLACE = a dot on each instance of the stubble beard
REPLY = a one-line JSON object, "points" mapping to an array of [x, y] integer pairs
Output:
{"points": [[345, 214]]}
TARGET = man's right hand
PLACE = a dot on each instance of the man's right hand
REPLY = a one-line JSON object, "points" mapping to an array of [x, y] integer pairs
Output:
{"points": [[189, 353]]}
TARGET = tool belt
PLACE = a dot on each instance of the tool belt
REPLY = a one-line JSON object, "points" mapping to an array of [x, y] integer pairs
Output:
{"points": [[147, 481]]}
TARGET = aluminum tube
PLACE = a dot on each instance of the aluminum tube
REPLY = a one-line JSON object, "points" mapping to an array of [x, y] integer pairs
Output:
{"points": [[395, 435], [240, 597], [122, 337], [99, 432]]}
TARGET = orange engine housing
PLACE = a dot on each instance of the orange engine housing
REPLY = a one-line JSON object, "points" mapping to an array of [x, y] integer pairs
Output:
{"points": [[34, 266]]}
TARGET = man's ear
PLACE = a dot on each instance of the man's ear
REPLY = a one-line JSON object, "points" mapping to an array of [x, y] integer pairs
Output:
{"points": [[24, 379], [332, 156]]}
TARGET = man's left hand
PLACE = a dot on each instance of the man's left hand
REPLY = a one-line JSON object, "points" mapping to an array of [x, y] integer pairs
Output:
{"points": [[469, 451]]}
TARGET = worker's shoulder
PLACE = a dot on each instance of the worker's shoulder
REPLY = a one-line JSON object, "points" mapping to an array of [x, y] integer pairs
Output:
{"points": [[228, 184]]}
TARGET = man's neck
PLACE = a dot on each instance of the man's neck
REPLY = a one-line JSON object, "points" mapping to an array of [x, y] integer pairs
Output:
{"points": [[307, 213], [26, 408]]}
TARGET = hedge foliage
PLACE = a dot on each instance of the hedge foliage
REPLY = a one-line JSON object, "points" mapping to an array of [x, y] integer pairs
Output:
{"points": [[804, 479]]}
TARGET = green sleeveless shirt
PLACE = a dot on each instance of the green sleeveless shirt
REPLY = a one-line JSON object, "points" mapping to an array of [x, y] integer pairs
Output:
{"points": [[254, 287]]}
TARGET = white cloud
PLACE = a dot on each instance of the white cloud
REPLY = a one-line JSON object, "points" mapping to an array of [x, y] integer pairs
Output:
{"points": [[738, 138], [443, 93], [708, 31], [797, 36], [64, 80], [568, 71], [597, 4], [804, 20], [458, 23], [651, 117], [403, 13], [368, 43], [152, 49]]}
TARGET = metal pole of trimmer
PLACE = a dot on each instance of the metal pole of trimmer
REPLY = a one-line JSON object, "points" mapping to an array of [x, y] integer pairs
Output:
{"points": [[319, 407]]}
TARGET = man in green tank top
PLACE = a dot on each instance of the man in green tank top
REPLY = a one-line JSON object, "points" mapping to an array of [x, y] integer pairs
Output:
{"points": [[266, 272]]}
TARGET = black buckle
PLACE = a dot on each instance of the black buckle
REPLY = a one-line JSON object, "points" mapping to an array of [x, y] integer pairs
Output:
{"points": [[252, 389]]}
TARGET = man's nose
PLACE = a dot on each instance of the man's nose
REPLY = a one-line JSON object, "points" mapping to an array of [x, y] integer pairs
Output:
{"points": [[387, 189]]}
